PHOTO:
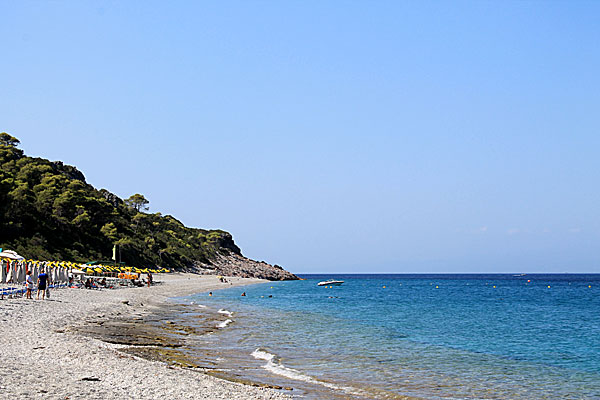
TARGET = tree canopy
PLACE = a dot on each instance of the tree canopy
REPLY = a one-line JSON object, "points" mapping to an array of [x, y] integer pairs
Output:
{"points": [[138, 202], [8, 140]]}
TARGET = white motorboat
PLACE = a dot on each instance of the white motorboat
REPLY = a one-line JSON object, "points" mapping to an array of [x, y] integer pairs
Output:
{"points": [[330, 282]]}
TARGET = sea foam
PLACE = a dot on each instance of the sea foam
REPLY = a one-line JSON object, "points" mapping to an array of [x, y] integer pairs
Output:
{"points": [[274, 366], [224, 323], [225, 312]]}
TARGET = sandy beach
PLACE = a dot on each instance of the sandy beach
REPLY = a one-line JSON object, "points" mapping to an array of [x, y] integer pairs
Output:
{"points": [[43, 356]]}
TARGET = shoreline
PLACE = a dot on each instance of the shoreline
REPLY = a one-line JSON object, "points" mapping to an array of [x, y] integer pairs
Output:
{"points": [[45, 355]]}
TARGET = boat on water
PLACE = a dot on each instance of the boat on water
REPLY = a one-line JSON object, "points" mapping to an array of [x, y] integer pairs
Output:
{"points": [[330, 282]]}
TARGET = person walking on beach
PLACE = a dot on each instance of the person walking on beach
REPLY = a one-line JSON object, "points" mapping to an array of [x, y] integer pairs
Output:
{"points": [[28, 285], [42, 284]]}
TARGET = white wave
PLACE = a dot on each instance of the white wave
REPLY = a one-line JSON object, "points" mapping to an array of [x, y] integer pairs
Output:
{"points": [[274, 366], [228, 313], [262, 355], [224, 323], [201, 305]]}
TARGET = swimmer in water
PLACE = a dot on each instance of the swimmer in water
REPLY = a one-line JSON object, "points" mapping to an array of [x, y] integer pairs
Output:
{"points": [[210, 293], [244, 294]]}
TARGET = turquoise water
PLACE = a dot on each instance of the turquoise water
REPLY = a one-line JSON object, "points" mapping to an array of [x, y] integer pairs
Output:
{"points": [[424, 336]]}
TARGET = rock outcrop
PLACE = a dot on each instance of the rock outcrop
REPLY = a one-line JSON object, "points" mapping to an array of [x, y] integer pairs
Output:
{"points": [[233, 264]]}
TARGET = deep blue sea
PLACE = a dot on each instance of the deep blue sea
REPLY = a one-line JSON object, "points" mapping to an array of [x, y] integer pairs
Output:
{"points": [[418, 336]]}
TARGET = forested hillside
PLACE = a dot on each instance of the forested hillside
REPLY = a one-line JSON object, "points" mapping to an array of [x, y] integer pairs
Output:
{"points": [[49, 212]]}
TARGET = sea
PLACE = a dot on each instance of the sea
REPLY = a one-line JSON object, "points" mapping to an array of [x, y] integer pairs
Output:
{"points": [[398, 336]]}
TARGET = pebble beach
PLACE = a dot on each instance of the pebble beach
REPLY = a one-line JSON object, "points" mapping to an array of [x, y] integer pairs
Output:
{"points": [[44, 356]]}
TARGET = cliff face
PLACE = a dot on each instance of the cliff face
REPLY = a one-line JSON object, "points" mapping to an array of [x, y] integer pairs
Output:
{"points": [[234, 264]]}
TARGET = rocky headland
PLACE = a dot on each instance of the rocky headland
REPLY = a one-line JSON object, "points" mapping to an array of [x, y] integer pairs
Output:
{"points": [[233, 263]]}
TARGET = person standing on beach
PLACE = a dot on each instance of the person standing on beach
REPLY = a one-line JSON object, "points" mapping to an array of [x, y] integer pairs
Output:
{"points": [[42, 284], [28, 285]]}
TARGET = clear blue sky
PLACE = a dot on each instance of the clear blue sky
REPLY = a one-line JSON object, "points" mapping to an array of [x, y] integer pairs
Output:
{"points": [[338, 136]]}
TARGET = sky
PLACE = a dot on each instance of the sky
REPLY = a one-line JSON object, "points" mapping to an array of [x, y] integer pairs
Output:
{"points": [[328, 137]]}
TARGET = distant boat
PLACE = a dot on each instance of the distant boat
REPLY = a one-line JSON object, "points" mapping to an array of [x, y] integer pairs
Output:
{"points": [[520, 275], [330, 282]]}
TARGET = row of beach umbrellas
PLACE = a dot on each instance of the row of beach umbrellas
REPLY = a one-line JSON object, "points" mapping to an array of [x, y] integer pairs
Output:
{"points": [[101, 268], [14, 271]]}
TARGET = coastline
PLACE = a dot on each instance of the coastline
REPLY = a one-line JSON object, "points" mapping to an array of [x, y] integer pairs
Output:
{"points": [[43, 353]]}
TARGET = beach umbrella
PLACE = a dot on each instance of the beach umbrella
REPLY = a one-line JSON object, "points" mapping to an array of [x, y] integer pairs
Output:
{"points": [[10, 275], [21, 272], [11, 254], [18, 275], [16, 272], [55, 274], [2, 273]]}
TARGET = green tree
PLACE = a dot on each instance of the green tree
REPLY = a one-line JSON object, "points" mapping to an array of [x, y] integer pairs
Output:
{"points": [[138, 202], [110, 231], [8, 140]]}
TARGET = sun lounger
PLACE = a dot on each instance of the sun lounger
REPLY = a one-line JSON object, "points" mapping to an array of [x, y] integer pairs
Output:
{"points": [[7, 291]]}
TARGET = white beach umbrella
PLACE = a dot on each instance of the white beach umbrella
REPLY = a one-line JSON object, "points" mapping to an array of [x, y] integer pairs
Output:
{"points": [[23, 271], [7, 268], [19, 274], [3, 272], [11, 276], [14, 267], [64, 276], [11, 254], [35, 273]]}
